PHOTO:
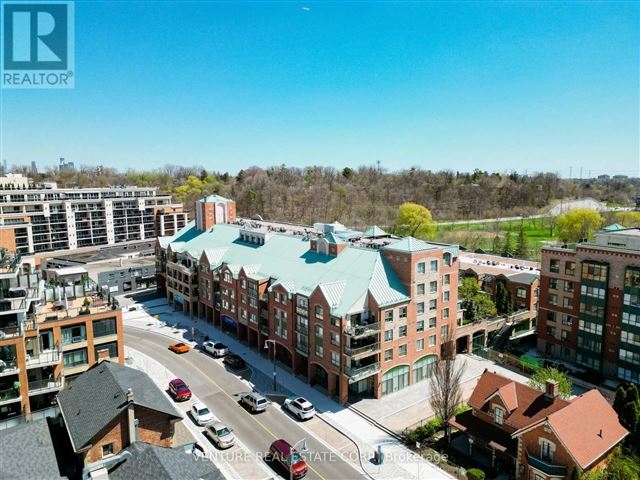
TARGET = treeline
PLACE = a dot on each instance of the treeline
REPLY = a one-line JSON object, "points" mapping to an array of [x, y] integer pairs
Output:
{"points": [[358, 197]]}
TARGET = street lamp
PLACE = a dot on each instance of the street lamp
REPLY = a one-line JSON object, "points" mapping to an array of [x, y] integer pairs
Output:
{"points": [[266, 347], [303, 448]]}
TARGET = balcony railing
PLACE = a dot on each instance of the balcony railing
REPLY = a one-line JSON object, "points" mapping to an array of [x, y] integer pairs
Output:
{"points": [[361, 351], [362, 330], [44, 358], [9, 395], [548, 468], [304, 311], [264, 328], [356, 373], [302, 328], [43, 386], [8, 366], [302, 347]]}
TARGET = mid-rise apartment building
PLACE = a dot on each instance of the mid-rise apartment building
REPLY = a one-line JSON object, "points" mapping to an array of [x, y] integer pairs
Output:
{"points": [[41, 218], [47, 335], [590, 304], [364, 317]]}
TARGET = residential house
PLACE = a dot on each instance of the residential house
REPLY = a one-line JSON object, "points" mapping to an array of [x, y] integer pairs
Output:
{"points": [[537, 435]]}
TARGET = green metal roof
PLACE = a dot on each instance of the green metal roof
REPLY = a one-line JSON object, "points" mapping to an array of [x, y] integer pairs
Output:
{"points": [[614, 227], [331, 238], [289, 260], [214, 198], [374, 231], [410, 244]]}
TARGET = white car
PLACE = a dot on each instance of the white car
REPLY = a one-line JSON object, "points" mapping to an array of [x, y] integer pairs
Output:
{"points": [[216, 349], [300, 407], [201, 414], [220, 434]]}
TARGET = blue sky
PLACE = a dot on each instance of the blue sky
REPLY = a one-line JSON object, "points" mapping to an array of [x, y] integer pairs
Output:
{"points": [[497, 86]]}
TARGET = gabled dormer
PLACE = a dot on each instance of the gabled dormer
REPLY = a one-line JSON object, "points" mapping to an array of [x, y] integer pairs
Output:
{"points": [[330, 245]]}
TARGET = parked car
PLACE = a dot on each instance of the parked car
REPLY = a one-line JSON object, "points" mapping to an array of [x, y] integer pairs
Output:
{"points": [[179, 347], [234, 361], [254, 402], [300, 407], [220, 434], [179, 390], [201, 414], [283, 454], [216, 349]]}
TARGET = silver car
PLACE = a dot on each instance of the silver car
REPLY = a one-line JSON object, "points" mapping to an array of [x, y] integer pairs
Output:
{"points": [[220, 434], [255, 402]]}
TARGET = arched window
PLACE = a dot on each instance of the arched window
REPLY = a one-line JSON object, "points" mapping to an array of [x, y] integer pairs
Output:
{"points": [[423, 367], [395, 379]]}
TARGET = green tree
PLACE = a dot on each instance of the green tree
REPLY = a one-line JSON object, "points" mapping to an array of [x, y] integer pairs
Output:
{"points": [[476, 303], [495, 247], [415, 220], [620, 399], [628, 219], [578, 224], [522, 248], [622, 467], [507, 246], [540, 377], [504, 299]]}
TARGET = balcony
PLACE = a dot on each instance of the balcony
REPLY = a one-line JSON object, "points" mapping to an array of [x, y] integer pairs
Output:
{"points": [[10, 395], [264, 328], [44, 359], [362, 351], [304, 311], [356, 331], [302, 328], [358, 373], [548, 468], [8, 367], [39, 387]]}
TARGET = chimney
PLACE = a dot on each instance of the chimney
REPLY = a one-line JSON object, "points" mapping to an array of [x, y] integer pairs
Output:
{"points": [[551, 389], [102, 355], [131, 420]]}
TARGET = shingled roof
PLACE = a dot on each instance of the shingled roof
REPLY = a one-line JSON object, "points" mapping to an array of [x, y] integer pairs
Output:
{"points": [[599, 429], [530, 404], [26, 451], [99, 395], [150, 462]]}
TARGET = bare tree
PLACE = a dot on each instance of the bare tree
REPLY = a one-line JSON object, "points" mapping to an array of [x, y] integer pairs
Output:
{"points": [[445, 386]]}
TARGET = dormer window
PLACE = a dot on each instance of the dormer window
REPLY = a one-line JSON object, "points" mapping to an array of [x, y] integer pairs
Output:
{"points": [[498, 415]]}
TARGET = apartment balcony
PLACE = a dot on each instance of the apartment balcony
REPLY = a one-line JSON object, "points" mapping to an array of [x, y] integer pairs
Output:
{"points": [[8, 367], [358, 373], [264, 328], [302, 348], [302, 328], [362, 351], [38, 387], [548, 468], [356, 331], [304, 311], [44, 359], [10, 395]]}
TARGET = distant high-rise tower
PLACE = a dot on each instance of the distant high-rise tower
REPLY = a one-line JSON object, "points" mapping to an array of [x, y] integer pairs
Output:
{"points": [[34, 167]]}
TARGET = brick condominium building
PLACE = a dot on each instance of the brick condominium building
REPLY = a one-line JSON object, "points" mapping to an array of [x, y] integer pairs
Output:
{"points": [[42, 341], [590, 304], [41, 218], [363, 317]]}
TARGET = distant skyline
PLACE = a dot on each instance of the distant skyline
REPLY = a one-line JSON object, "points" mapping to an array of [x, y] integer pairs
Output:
{"points": [[498, 86]]}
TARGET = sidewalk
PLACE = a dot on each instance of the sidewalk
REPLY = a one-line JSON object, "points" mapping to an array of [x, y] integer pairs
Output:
{"points": [[400, 462]]}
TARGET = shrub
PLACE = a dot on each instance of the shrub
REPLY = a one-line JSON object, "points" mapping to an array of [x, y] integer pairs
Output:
{"points": [[425, 432], [475, 474]]}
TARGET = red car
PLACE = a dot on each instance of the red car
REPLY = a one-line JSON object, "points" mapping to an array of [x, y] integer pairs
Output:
{"points": [[179, 390], [282, 453]]}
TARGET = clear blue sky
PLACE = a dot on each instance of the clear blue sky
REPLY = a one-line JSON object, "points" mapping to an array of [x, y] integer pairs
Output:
{"points": [[497, 86]]}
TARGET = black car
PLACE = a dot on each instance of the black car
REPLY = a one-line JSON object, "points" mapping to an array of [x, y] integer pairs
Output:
{"points": [[234, 361]]}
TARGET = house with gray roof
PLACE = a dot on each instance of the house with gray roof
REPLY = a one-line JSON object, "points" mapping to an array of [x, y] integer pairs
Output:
{"points": [[143, 461], [27, 452], [110, 406]]}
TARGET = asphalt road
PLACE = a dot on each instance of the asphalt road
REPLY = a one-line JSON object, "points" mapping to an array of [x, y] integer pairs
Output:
{"points": [[219, 390]]}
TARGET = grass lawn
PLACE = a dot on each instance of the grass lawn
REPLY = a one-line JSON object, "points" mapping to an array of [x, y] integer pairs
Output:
{"points": [[481, 235]]}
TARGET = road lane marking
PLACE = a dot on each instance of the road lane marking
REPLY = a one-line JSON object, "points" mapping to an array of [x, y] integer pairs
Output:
{"points": [[264, 427]]}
